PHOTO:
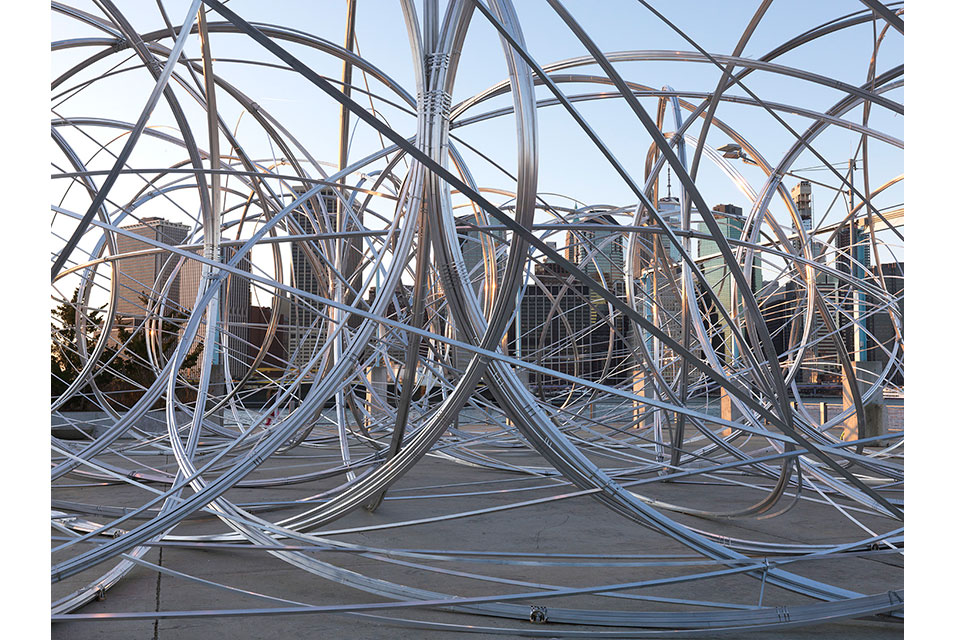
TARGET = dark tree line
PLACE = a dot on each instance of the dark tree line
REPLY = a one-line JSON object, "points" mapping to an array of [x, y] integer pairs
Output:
{"points": [[127, 374]]}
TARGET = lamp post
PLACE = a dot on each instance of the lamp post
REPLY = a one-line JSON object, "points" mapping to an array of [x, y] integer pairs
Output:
{"points": [[874, 422], [735, 152]]}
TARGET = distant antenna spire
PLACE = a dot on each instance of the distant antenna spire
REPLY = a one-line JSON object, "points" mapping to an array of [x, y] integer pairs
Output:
{"points": [[668, 182]]}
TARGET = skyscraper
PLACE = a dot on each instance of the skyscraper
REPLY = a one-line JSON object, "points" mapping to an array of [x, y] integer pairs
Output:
{"points": [[801, 197], [820, 360], [660, 290], [144, 276], [669, 209], [305, 328], [566, 326], [233, 310], [852, 259], [883, 331], [479, 249], [598, 252], [480, 252], [276, 357], [730, 221], [556, 329]]}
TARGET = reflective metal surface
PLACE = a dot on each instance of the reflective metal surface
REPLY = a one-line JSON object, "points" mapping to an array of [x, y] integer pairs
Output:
{"points": [[233, 312]]}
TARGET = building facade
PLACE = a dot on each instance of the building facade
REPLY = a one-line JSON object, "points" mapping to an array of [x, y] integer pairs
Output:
{"points": [[306, 329], [234, 304], [730, 220], [141, 279]]}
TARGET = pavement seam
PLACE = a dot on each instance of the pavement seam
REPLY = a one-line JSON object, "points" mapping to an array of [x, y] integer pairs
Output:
{"points": [[159, 580]]}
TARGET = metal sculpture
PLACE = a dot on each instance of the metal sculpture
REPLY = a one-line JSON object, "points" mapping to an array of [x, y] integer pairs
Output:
{"points": [[390, 327]]}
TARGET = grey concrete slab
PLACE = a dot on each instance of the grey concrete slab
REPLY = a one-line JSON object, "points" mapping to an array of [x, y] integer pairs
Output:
{"points": [[433, 488]]}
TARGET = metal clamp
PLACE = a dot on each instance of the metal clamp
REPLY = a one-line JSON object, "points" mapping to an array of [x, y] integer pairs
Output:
{"points": [[155, 66], [436, 101], [437, 61]]}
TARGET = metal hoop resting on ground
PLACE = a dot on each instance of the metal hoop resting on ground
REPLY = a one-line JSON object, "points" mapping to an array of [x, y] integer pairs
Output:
{"points": [[251, 342]]}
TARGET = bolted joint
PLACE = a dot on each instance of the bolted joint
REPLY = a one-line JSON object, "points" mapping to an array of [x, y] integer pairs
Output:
{"points": [[154, 66], [437, 102], [538, 614], [211, 252], [435, 62]]}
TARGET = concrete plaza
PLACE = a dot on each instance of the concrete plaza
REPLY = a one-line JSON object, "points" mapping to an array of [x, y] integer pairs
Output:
{"points": [[437, 487]]}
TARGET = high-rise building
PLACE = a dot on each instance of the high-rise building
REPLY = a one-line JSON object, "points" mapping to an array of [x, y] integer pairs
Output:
{"points": [[598, 252], [778, 307], [234, 303], [853, 250], [801, 195], [883, 331], [564, 326], [659, 294], [479, 249], [730, 221], [669, 209], [557, 329], [143, 277], [480, 252], [305, 328], [852, 259], [820, 362], [276, 357]]}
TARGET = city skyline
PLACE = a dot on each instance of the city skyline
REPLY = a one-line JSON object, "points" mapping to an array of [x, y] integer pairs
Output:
{"points": [[475, 286]]}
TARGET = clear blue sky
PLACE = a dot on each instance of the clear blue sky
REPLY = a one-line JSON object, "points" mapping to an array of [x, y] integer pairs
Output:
{"points": [[570, 165]]}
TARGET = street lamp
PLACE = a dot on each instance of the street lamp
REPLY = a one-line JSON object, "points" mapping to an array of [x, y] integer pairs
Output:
{"points": [[734, 152]]}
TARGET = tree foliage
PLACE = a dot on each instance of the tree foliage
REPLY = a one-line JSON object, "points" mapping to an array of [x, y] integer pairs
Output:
{"points": [[128, 373]]}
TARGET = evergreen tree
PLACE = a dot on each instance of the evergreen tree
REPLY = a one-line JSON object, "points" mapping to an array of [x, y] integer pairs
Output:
{"points": [[128, 373]]}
